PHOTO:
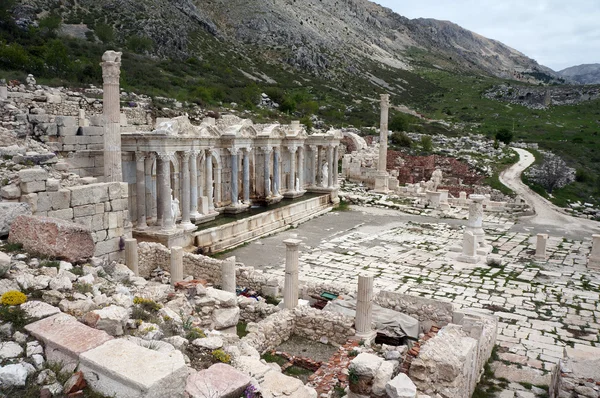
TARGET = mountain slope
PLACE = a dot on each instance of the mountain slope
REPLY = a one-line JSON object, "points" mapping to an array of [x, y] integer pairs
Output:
{"points": [[584, 74], [318, 36]]}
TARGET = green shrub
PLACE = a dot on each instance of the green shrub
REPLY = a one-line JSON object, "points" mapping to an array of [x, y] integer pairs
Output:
{"points": [[221, 356], [401, 139], [504, 135]]}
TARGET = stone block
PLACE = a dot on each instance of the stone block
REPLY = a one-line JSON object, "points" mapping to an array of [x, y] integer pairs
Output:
{"points": [[112, 319], [33, 186], [86, 221], [66, 121], [97, 120], [31, 200], [93, 131], [85, 210], [98, 222], [89, 194], [9, 212], [61, 199], [118, 204], [37, 119], [43, 202], [401, 386], [52, 185], [65, 338], [52, 237], [122, 368], [106, 247], [116, 189], [35, 174], [10, 192], [220, 380], [226, 317], [39, 309], [64, 214]]}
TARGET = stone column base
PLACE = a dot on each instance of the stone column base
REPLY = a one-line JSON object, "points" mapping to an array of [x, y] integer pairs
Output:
{"points": [[202, 218], [463, 258], [381, 183], [293, 194], [367, 338], [236, 209], [189, 226]]}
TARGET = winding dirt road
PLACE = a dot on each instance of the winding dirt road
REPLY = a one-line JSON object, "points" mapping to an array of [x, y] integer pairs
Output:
{"points": [[548, 218]]}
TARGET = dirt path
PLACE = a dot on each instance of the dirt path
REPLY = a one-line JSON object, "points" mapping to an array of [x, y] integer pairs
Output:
{"points": [[548, 218]]}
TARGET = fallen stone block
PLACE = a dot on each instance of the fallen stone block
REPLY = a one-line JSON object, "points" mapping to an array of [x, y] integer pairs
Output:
{"points": [[122, 368], [39, 309], [112, 319], [226, 317], [401, 386], [218, 381], [65, 338], [8, 213], [52, 237], [10, 192]]}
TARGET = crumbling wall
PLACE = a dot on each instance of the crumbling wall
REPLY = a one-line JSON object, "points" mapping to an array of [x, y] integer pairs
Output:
{"points": [[316, 324], [102, 207], [271, 332], [423, 309], [252, 310]]}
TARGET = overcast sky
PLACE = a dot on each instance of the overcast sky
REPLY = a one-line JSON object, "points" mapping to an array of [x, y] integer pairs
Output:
{"points": [[556, 33]]}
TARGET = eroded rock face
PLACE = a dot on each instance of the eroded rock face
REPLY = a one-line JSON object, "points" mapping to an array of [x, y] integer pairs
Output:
{"points": [[52, 237], [8, 212]]}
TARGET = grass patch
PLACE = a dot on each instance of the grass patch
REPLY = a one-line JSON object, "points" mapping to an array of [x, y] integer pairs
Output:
{"points": [[12, 247], [241, 329], [342, 206], [272, 358]]}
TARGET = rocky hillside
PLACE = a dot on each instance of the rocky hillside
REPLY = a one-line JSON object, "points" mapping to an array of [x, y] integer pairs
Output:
{"points": [[584, 74], [322, 37]]}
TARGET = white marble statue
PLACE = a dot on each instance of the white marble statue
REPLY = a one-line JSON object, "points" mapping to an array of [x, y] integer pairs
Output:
{"points": [[297, 184], [174, 207], [436, 177], [325, 174], [269, 187]]}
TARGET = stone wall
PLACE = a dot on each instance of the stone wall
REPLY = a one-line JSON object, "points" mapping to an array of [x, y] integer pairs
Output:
{"points": [[578, 374], [102, 207], [451, 363], [252, 310], [152, 255], [303, 321], [427, 311]]}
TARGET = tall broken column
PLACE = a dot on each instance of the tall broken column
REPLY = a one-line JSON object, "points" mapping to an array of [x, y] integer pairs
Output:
{"points": [[475, 222], [111, 71], [228, 275], [176, 264], [364, 307], [540, 246], [381, 178], [131, 256], [290, 290]]}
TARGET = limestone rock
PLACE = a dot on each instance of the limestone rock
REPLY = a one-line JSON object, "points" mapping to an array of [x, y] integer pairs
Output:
{"points": [[112, 319], [6, 285], [226, 317], [210, 343], [366, 364], [4, 263], [401, 387], [9, 211], [121, 273], [52, 237], [383, 376], [10, 349], [277, 384], [220, 380], [222, 298], [61, 283], [15, 375], [39, 309]]}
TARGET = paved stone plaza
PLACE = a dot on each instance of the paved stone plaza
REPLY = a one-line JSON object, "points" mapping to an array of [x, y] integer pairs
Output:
{"points": [[542, 306]]}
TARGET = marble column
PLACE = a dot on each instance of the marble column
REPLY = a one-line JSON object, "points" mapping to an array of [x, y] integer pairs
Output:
{"points": [[228, 283], [209, 182], [301, 168], [186, 194], [218, 185], [150, 188], [176, 264], [364, 306], [313, 165], [594, 260], [319, 170], [540, 246], [267, 171], [383, 135], [330, 166], [159, 190], [475, 221], [168, 222], [194, 185], [140, 189], [336, 162], [131, 256], [111, 110], [276, 172], [290, 290], [234, 176], [292, 178], [246, 175]]}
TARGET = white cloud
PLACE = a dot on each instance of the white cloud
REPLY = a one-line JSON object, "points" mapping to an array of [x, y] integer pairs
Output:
{"points": [[556, 33]]}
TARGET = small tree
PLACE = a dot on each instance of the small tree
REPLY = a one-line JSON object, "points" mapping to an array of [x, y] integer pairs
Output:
{"points": [[105, 33], [504, 135], [398, 123], [401, 139], [426, 143], [552, 173]]}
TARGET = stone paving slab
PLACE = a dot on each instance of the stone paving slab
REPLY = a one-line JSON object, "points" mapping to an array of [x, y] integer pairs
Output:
{"points": [[124, 369], [65, 338]]}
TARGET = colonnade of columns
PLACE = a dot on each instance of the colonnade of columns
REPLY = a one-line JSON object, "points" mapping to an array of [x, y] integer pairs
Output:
{"points": [[155, 197]]}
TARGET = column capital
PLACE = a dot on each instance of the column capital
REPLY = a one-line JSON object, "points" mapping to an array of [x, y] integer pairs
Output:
{"points": [[277, 150], [313, 147], [185, 156], [151, 155], [140, 156], [195, 152], [292, 242], [266, 149], [234, 150], [292, 148], [165, 155], [247, 150]]}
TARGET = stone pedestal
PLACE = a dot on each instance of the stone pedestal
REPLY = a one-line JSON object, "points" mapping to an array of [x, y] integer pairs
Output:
{"points": [[228, 283], [364, 308], [176, 264], [290, 290], [540, 246], [381, 183], [433, 199], [443, 196], [462, 198], [469, 250], [3, 92], [594, 260], [131, 255]]}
